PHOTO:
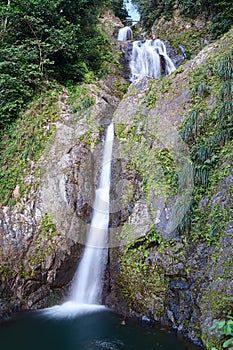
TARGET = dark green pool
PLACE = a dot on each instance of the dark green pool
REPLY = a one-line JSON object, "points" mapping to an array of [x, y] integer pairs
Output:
{"points": [[101, 329]]}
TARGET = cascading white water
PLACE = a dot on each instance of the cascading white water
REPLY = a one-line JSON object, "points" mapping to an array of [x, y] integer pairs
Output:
{"points": [[88, 283], [132, 10], [149, 58], [124, 34]]}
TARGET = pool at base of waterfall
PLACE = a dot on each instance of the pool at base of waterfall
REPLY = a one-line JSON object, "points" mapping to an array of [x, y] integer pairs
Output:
{"points": [[97, 329]]}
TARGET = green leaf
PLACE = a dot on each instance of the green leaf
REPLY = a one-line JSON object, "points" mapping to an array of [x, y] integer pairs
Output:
{"points": [[218, 324], [228, 342], [228, 329]]}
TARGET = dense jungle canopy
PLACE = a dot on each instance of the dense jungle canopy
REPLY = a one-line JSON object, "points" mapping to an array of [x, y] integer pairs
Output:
{"points": [[43, 40]]}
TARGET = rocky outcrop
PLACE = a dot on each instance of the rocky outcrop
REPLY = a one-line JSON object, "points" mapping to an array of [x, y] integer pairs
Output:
{"points": [[43, 234], [164, 268]]}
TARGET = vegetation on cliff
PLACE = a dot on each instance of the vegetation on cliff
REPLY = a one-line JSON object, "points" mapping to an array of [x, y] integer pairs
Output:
{"points": [[46, 40], [44, 44], [196, 103], [220, 13]]}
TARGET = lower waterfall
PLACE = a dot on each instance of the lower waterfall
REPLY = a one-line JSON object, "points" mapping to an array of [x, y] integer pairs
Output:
{"points": [[149, 58], [88, 282]]}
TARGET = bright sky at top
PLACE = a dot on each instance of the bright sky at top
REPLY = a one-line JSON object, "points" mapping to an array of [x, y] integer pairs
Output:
{"points": [[132, 10]]}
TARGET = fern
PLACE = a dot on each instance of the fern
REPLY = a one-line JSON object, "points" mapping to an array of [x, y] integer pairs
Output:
{"points": [[201, 174], [226, 91], [225, 67], [203, 152], [201, 89], [225, 113]]}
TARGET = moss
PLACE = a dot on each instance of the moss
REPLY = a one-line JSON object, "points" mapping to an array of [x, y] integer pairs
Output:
{"points": [[92, 136], [216, 302], [178, 70], [80, 98], [156, 165], [48, 228], [120, 88], [142, 283], [165, 85], [44, 244], [132, 91], [24, 142], [5, 271], [189, 34], [151, 99]]}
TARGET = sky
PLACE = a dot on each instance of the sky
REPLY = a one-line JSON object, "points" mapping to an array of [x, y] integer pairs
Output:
{"points": [[132, 11]]}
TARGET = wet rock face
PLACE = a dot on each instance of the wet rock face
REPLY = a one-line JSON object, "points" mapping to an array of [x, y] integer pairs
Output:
{"points": [[126, 57], [177, 58]]}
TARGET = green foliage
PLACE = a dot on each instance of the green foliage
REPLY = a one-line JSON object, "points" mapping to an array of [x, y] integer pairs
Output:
{"points": [[226, 328], [208, 131], [119, 8], [48, 228], [220, 13], [44, 245], [154, 9], [151, 99], [193, 124], [120, 88], [80, 98], [201, 89], [178, 70], [43, 40], [23, 142]]}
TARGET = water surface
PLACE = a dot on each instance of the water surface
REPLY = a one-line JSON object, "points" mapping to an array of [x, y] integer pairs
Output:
{"points": [[100, 329]]}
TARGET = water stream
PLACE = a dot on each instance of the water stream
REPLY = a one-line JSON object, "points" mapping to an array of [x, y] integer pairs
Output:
{"points": [[150, 59], [124, 34], [132, 10]]}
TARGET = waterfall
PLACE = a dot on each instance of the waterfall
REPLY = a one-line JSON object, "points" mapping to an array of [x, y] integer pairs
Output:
{"points": [[88, 283], [132, 10], [149, 58], [124, 34]]}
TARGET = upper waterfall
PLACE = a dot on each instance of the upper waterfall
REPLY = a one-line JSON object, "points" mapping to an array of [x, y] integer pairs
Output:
{"points": [[124, 34], [149, 58], [132, 10]]}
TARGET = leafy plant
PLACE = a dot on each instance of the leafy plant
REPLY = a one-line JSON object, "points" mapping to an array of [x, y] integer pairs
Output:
{"points": [[220, 13], [43, 40], [226, 328], [23, 142], [201, 89]]}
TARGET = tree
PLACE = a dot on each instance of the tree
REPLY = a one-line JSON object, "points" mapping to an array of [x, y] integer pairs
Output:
{"points": [[45, 39], [219, 12]]}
